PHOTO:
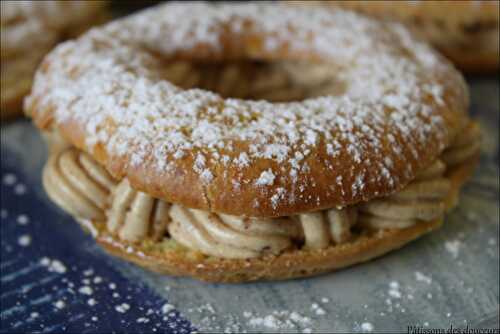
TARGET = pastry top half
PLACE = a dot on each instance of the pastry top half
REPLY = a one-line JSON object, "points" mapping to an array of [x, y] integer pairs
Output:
{"points": [[399, 105]]}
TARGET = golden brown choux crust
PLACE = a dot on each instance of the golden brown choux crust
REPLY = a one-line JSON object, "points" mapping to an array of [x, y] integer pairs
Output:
{"points": [[105, 94], [176, 260], [467, 32], [29, 30]]}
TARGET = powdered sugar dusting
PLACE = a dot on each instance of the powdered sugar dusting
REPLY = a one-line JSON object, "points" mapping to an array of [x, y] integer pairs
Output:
{"points": [[60, 304], [282, 320], [24, 240], [366, 327], [122, 308], [86, 290], [423, 278], [394, 290], [114, 88], [167, 308], [266, 178], [53, 265], [23, 219], [453, 247]]}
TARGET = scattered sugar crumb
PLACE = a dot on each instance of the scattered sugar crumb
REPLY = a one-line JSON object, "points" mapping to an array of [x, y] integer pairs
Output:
{"points": [[394, 285], [91, 302], [94, 318], [20, 189], [122, 308], [86, 290], [142, 320], [112, 286], [53, 265], [34, 315], [280, 320], [60, 304], [88, 272], [453, 247], [24, 240], [366, 327], [423, 278], [9, 179], [97, 280], [325, 300], [167, 308], [318, 309], [23, 219], [57, 266], [394, 290]]}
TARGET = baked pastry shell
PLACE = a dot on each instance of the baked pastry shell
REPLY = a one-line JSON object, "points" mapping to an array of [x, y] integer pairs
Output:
{"points": [[312, 191]]}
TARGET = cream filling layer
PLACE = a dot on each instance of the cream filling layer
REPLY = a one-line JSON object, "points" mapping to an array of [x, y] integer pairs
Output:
{"points": [[75, 182], [84, 189]]}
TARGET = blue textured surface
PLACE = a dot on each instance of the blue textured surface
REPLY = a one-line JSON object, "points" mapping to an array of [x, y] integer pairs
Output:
{"points": [[33, 285]]}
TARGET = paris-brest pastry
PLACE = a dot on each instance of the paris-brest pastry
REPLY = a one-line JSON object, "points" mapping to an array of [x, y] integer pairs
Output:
{"points": [[252, 141]]}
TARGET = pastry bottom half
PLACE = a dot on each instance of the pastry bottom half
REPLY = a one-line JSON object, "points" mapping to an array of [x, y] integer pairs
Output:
{"points": [[168, 257]]}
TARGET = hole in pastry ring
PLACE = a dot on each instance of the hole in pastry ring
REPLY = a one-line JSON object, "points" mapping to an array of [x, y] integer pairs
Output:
{"points": [[105, 93]]}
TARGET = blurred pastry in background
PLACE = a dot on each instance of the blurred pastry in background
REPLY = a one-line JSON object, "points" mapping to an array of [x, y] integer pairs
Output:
{"points": [[29, 30], [467, 32]]}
